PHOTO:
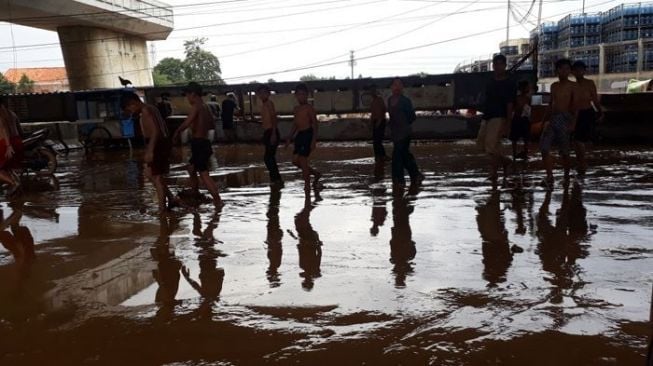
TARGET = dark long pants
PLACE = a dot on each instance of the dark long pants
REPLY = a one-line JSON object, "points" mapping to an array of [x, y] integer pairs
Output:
{"points": [[270, 157], [402, 160], [378, 132]]}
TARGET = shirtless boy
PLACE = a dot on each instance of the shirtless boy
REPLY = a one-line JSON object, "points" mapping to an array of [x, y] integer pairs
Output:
{"points": [[158, 146], [562, 120], [305, 132], [270, 135], [589, 110], [200, 121]]}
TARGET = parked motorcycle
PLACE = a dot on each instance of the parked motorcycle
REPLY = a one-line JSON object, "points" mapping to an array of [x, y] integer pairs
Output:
{"points": [[39, 155]]}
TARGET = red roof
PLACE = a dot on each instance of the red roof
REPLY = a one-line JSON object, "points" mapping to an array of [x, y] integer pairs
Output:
{"points": [[38, 74]]}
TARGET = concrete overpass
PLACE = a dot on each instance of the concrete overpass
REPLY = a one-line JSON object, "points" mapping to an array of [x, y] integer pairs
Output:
{"points": [[100, 39]]}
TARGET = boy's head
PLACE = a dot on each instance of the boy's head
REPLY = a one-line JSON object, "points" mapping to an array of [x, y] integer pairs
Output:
{"points": [[131, 102], [193, 92], [579, 68], [524, 87], [499, 63], [213, 98], [263, 92], [301, 93], [397, 86], [563, 68]]}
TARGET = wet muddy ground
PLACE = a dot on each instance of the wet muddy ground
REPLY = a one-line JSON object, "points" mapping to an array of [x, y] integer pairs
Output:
{"points": [[451, 273]]}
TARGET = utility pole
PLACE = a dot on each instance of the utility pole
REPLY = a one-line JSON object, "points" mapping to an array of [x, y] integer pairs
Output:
{"points": [[352, 62], [508, 24], [539, 15]]}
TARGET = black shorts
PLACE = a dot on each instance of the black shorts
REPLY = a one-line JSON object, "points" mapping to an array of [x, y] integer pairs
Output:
{"points": [[585, 125], [201, 151], [161, 160], [520, 129], [303, 142]]}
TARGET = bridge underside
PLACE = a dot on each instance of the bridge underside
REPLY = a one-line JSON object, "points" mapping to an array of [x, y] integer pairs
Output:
{"points": [[100, 39]]}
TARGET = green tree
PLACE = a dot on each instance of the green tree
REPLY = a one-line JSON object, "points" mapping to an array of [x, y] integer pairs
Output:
{"points": [[25, 85], [421, 74], [312, 77], [160, 79], [169, 70], [200, 64], [270, 81], [309, 77], [6, 86]]}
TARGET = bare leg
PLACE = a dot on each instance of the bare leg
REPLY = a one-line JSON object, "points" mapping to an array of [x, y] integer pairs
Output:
{"points": [[514, 150], [212, 187], [566, 165], [5, 177], [161, 193], [580, 149], [548, 166], [306, 174], [193, 181]]}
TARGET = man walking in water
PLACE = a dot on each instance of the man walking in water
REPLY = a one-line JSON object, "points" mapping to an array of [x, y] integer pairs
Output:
{"points": [[304, 131], [158, 146], [500, 94], [229, 107], [402, 115], [200, 121], [377, 118], [270, 135], [589, 110]]}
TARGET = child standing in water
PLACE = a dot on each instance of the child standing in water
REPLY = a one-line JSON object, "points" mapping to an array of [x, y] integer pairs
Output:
{"points": [[305, 132], [562, 121], [520, 128], [589, 110], [270, 135]]}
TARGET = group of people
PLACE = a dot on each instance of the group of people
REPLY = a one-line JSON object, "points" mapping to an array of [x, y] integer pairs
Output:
{"points": [[11, 147], [200, 120], [573, 112]]}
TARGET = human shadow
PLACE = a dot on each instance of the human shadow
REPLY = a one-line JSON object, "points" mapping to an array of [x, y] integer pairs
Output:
{"points": [[402, 246], [497, 256], [274, 238]]}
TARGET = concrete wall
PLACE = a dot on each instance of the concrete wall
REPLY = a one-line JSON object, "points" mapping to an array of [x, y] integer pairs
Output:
{"points": [[351, 129], [95, 58]]}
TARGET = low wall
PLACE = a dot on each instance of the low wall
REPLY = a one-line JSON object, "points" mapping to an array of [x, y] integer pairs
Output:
{"points": [[352, 129]]}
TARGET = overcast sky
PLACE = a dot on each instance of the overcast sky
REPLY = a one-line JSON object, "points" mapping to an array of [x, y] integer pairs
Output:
{"points": [[325, 33]]}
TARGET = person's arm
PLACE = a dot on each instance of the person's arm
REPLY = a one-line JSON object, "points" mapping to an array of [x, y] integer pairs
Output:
{"points": [[192, 117], [410, 111], [186, 272], [314, 124], [274, 122], [596, 101], [153, 133]]}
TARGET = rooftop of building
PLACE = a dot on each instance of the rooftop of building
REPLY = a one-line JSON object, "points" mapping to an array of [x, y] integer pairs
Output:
{"points": [[37, 74]]}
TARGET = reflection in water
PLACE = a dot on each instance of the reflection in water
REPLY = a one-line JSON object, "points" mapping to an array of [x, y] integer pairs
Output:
{"points": [[168, 266], [402, 246], [274, 238], [19, 242], [560, 244], [379, 210], [211, 277], [309, 246], [522, 201], [496, 249]]}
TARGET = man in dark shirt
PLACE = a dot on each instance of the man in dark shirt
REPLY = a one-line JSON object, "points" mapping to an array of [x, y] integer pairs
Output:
{"points": [[402, 116], [229, 106], [500, 95]]}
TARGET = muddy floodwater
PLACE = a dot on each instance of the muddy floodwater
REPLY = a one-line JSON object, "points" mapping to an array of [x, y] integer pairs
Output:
{"points": [[450, 273]]}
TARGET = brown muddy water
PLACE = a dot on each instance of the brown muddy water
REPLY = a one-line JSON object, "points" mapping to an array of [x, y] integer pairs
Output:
{"points": [[357, 275]]}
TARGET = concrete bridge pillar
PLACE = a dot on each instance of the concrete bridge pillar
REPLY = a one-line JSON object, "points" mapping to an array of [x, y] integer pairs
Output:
{"points": [[95, 57]]}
